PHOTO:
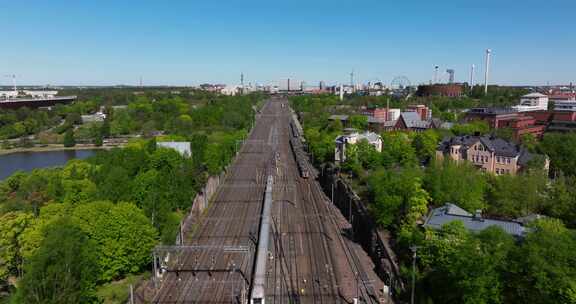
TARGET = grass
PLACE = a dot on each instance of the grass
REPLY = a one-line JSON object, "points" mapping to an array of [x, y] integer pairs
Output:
{"points": [[117, 292]]}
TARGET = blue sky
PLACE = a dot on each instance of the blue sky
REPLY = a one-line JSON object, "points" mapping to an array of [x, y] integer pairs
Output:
{"points": [[192, 42]]}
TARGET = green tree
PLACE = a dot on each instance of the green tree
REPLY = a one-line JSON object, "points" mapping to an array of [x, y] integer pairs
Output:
{"points": [[359, 122], [397, 151], [460, 184], [425, 144], [123, 235], [398, 196], [561, 202], [543, 269], [560, 148], [463, 268], [69, 140], [12, 225], [519, 195], [63, 270]]}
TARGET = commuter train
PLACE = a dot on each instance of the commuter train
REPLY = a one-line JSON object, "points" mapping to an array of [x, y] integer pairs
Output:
{"points": [[294, 130], [300, 157]]}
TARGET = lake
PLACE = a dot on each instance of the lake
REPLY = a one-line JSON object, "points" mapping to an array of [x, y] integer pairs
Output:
{"points": [[28, 161]]}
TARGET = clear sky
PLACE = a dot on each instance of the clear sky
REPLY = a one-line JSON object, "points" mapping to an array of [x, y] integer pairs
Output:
{"points": [[192, 42]]}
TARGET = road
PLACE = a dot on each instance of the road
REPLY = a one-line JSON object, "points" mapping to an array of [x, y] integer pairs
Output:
{"points": [[310, 259]]}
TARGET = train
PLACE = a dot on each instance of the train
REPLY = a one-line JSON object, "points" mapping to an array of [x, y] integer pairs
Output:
{"points": [[300, 157], [295, 132]]}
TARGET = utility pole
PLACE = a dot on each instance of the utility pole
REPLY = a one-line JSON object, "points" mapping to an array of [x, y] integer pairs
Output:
{"points": [[414, 250]]}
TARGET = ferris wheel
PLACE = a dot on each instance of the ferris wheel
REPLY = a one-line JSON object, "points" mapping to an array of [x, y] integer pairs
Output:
{"points": [[400, 83]]}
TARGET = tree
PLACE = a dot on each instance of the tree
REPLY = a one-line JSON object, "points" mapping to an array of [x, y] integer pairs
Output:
{"points": [[69, 140], [63, 270], [359, 122], [463, 268], [123, 235], [543, 270], [516, 196], [98, 140], [425, 144], [561, 202], [460, 184], [105, 128], [397, 151], [560, 148], [114, 184], [398, 196], [12, 225]]}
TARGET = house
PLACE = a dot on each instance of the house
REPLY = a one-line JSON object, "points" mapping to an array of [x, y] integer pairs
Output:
{"points": [[488, 153], [351, 139], [532, 102], [182, 147], [412, 121], [473, 222]]}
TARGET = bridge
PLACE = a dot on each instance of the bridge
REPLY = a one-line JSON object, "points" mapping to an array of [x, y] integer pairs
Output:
{"points": [[269, 235]]}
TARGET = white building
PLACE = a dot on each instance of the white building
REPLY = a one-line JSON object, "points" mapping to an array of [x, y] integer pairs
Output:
{"points": [[27, 93], [532, 102], [230, 90], [351, 139], [96, 117], [182, 147], [566, 105]]}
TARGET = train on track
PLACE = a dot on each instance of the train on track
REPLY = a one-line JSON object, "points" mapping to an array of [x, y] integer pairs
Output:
{"points": [[300, 157], [295, 132]]}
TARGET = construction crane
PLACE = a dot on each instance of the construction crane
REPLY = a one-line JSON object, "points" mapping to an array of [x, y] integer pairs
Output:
{"points": [[13, 81]]}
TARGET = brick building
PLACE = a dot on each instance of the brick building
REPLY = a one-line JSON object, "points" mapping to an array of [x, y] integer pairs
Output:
{"points": [[446, 90]]}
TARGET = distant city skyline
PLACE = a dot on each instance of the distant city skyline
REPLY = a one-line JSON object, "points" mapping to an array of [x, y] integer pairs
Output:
{"points": [[183, 43]]}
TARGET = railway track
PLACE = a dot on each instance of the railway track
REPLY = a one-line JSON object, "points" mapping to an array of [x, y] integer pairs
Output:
{"points": [[309, 259]]}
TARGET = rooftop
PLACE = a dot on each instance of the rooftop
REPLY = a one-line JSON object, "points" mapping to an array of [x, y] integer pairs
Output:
{"points": [[475, 223]]}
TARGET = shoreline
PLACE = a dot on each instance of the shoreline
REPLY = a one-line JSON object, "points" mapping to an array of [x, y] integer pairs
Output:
{"points": [[59, 147]]}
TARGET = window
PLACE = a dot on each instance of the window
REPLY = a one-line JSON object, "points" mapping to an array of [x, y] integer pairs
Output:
{"points": [[508, 160]]}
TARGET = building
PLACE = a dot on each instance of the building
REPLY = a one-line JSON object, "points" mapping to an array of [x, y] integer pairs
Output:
{"points": [[446, 90], [351, 139], [423, 111], [383, 114], [473, 222], [565, 105], [412, 121], [532, 102], [489, 154], [27, 94], [96, 117], [520, 123], [182, 147], [35, 103]]}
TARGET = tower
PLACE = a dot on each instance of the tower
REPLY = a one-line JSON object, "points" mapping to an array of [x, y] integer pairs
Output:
{"points": [[487, 74], [352, 80], [472, 76], [450, 75], [435, 75]]}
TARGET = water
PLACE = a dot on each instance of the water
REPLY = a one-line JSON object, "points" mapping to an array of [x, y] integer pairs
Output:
{"points": [[28, 161]]}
